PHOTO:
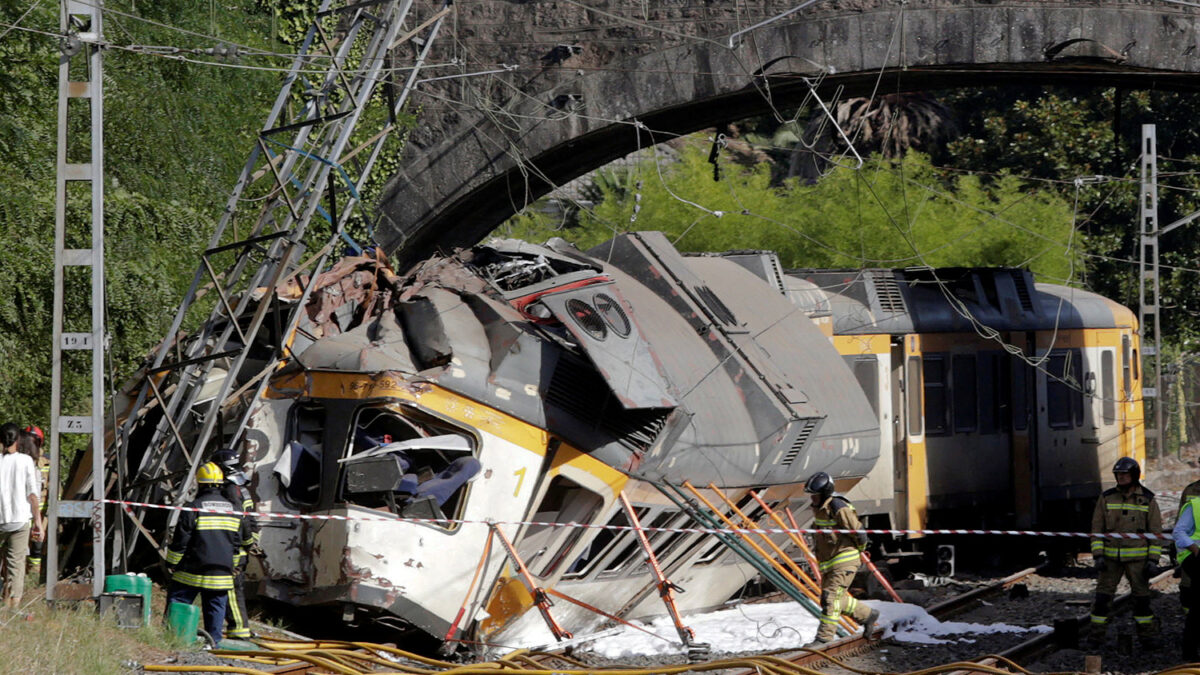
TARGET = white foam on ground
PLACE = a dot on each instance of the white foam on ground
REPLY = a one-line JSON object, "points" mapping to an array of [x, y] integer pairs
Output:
{"points": [[783, 625]]}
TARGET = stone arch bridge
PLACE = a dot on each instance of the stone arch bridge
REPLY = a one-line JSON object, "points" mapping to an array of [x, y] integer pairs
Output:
{"points": [[583, 82]]}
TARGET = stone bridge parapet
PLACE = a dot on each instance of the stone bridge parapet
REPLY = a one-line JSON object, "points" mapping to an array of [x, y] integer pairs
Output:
{"points": [[577, 84]]}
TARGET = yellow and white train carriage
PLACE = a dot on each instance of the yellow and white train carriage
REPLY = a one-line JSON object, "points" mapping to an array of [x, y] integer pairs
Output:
{"points": [[1004, 402]]}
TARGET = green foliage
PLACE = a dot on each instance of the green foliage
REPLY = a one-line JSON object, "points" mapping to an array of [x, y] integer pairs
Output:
{"points": [[176, 136], [1061, 134], [889, 214]]}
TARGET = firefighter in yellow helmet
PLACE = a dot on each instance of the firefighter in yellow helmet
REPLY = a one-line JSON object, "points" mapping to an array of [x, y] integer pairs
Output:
{"points": [[838, 558], [1128, 508], [201, 553]]}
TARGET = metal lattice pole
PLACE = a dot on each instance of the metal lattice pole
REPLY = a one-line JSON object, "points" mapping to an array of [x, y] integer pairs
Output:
{"points": [[81, 23], [1150, 325]]}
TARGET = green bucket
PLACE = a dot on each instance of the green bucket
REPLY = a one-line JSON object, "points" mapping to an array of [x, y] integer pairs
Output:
{"points": [[138, 584], [184, 621]]}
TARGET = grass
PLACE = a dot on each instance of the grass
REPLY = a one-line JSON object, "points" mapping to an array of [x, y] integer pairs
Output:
{"points": [[74, 639]]}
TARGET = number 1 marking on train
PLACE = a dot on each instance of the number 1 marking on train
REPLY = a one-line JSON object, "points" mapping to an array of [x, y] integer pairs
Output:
{"points": [[520, 474]]}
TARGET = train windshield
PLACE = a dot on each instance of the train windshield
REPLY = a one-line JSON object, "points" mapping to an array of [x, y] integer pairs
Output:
{"points": [[415, 468]]}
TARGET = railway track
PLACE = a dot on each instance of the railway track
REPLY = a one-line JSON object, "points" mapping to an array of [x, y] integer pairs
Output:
{"points": [[859, 644], [301, 657]]}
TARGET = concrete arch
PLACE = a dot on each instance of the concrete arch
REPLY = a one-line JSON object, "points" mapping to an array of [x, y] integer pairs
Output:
{"points": [[502, 147]]}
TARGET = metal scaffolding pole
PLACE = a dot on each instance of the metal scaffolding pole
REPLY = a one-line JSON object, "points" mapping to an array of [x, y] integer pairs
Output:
{"points": [[1149, 315], [81, 23]]}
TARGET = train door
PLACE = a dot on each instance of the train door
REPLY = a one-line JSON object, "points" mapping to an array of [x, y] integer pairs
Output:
{"points": [[1022, 403], [916, 479], [1131, 411], [1065, 462]]}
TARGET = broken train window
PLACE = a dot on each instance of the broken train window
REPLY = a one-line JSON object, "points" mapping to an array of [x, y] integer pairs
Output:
{"points": [[413, 467]]}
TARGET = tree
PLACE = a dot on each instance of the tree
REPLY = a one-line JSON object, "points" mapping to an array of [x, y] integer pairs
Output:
{"points": [[889, 214]]}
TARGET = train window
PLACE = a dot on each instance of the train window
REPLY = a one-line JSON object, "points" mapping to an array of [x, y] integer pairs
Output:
{"points": [[912, 380], [936, 403], [299, 467], [565, 502], [664, 543], [410, 467], [1108, 386], [602, 544], [966, 416], [866, 371], [632, 545], [1126, 364], [1064, 396], [713, 552], [993, 393], [1020, 394]]}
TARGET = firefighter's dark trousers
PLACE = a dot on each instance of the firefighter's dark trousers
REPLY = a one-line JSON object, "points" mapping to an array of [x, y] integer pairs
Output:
{"points": [[836, 601], [1110, 575], [213, 608]]}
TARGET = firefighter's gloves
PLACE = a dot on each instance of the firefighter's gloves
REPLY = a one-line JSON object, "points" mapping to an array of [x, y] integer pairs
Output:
{"points": [[1098, 559], [256, 550], [1152, 570]]}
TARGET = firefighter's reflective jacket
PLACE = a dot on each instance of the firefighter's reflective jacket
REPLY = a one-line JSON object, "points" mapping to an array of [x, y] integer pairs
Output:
{"points": [[1136, 512], [205, 543], [837, 549], [240, 496]]}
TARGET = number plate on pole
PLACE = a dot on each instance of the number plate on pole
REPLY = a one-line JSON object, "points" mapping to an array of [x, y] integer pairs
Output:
{"points": [[74, 425], [76, 341]]}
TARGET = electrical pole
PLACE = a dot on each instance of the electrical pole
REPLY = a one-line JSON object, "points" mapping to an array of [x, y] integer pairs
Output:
{"points": [[1150, 325], [79, 162]]}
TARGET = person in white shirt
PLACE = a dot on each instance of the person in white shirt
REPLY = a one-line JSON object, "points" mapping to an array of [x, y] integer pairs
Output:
{"points": [[19, 496]]}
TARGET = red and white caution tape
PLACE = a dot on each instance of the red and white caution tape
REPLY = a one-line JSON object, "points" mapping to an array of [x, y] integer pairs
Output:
{"points": [[685, 530]]}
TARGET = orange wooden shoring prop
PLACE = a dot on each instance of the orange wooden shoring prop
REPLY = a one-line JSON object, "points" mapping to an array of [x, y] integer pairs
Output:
{"points": [[812, 559], [666, 589], [846, 621], [779, 552], [794, 536], [879, 575], [540, 599], [780, 568]]}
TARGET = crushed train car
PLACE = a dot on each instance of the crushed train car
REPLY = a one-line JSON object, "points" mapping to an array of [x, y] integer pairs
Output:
{"points": [[521, 384]]}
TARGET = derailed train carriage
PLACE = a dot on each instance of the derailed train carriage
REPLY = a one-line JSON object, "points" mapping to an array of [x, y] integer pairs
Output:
{"points": [[566, 379], [521, 383]]}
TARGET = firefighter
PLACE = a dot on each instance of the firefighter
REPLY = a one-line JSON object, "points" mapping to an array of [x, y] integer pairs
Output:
{"points": [[1187, 543], [200, 557], [235, 491], [1128, 508], [1185, 579], [838, 556]]}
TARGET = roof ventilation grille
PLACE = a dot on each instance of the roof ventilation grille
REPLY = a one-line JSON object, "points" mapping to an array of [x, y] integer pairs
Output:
{"points": [[888, 292], [798, 445]]}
